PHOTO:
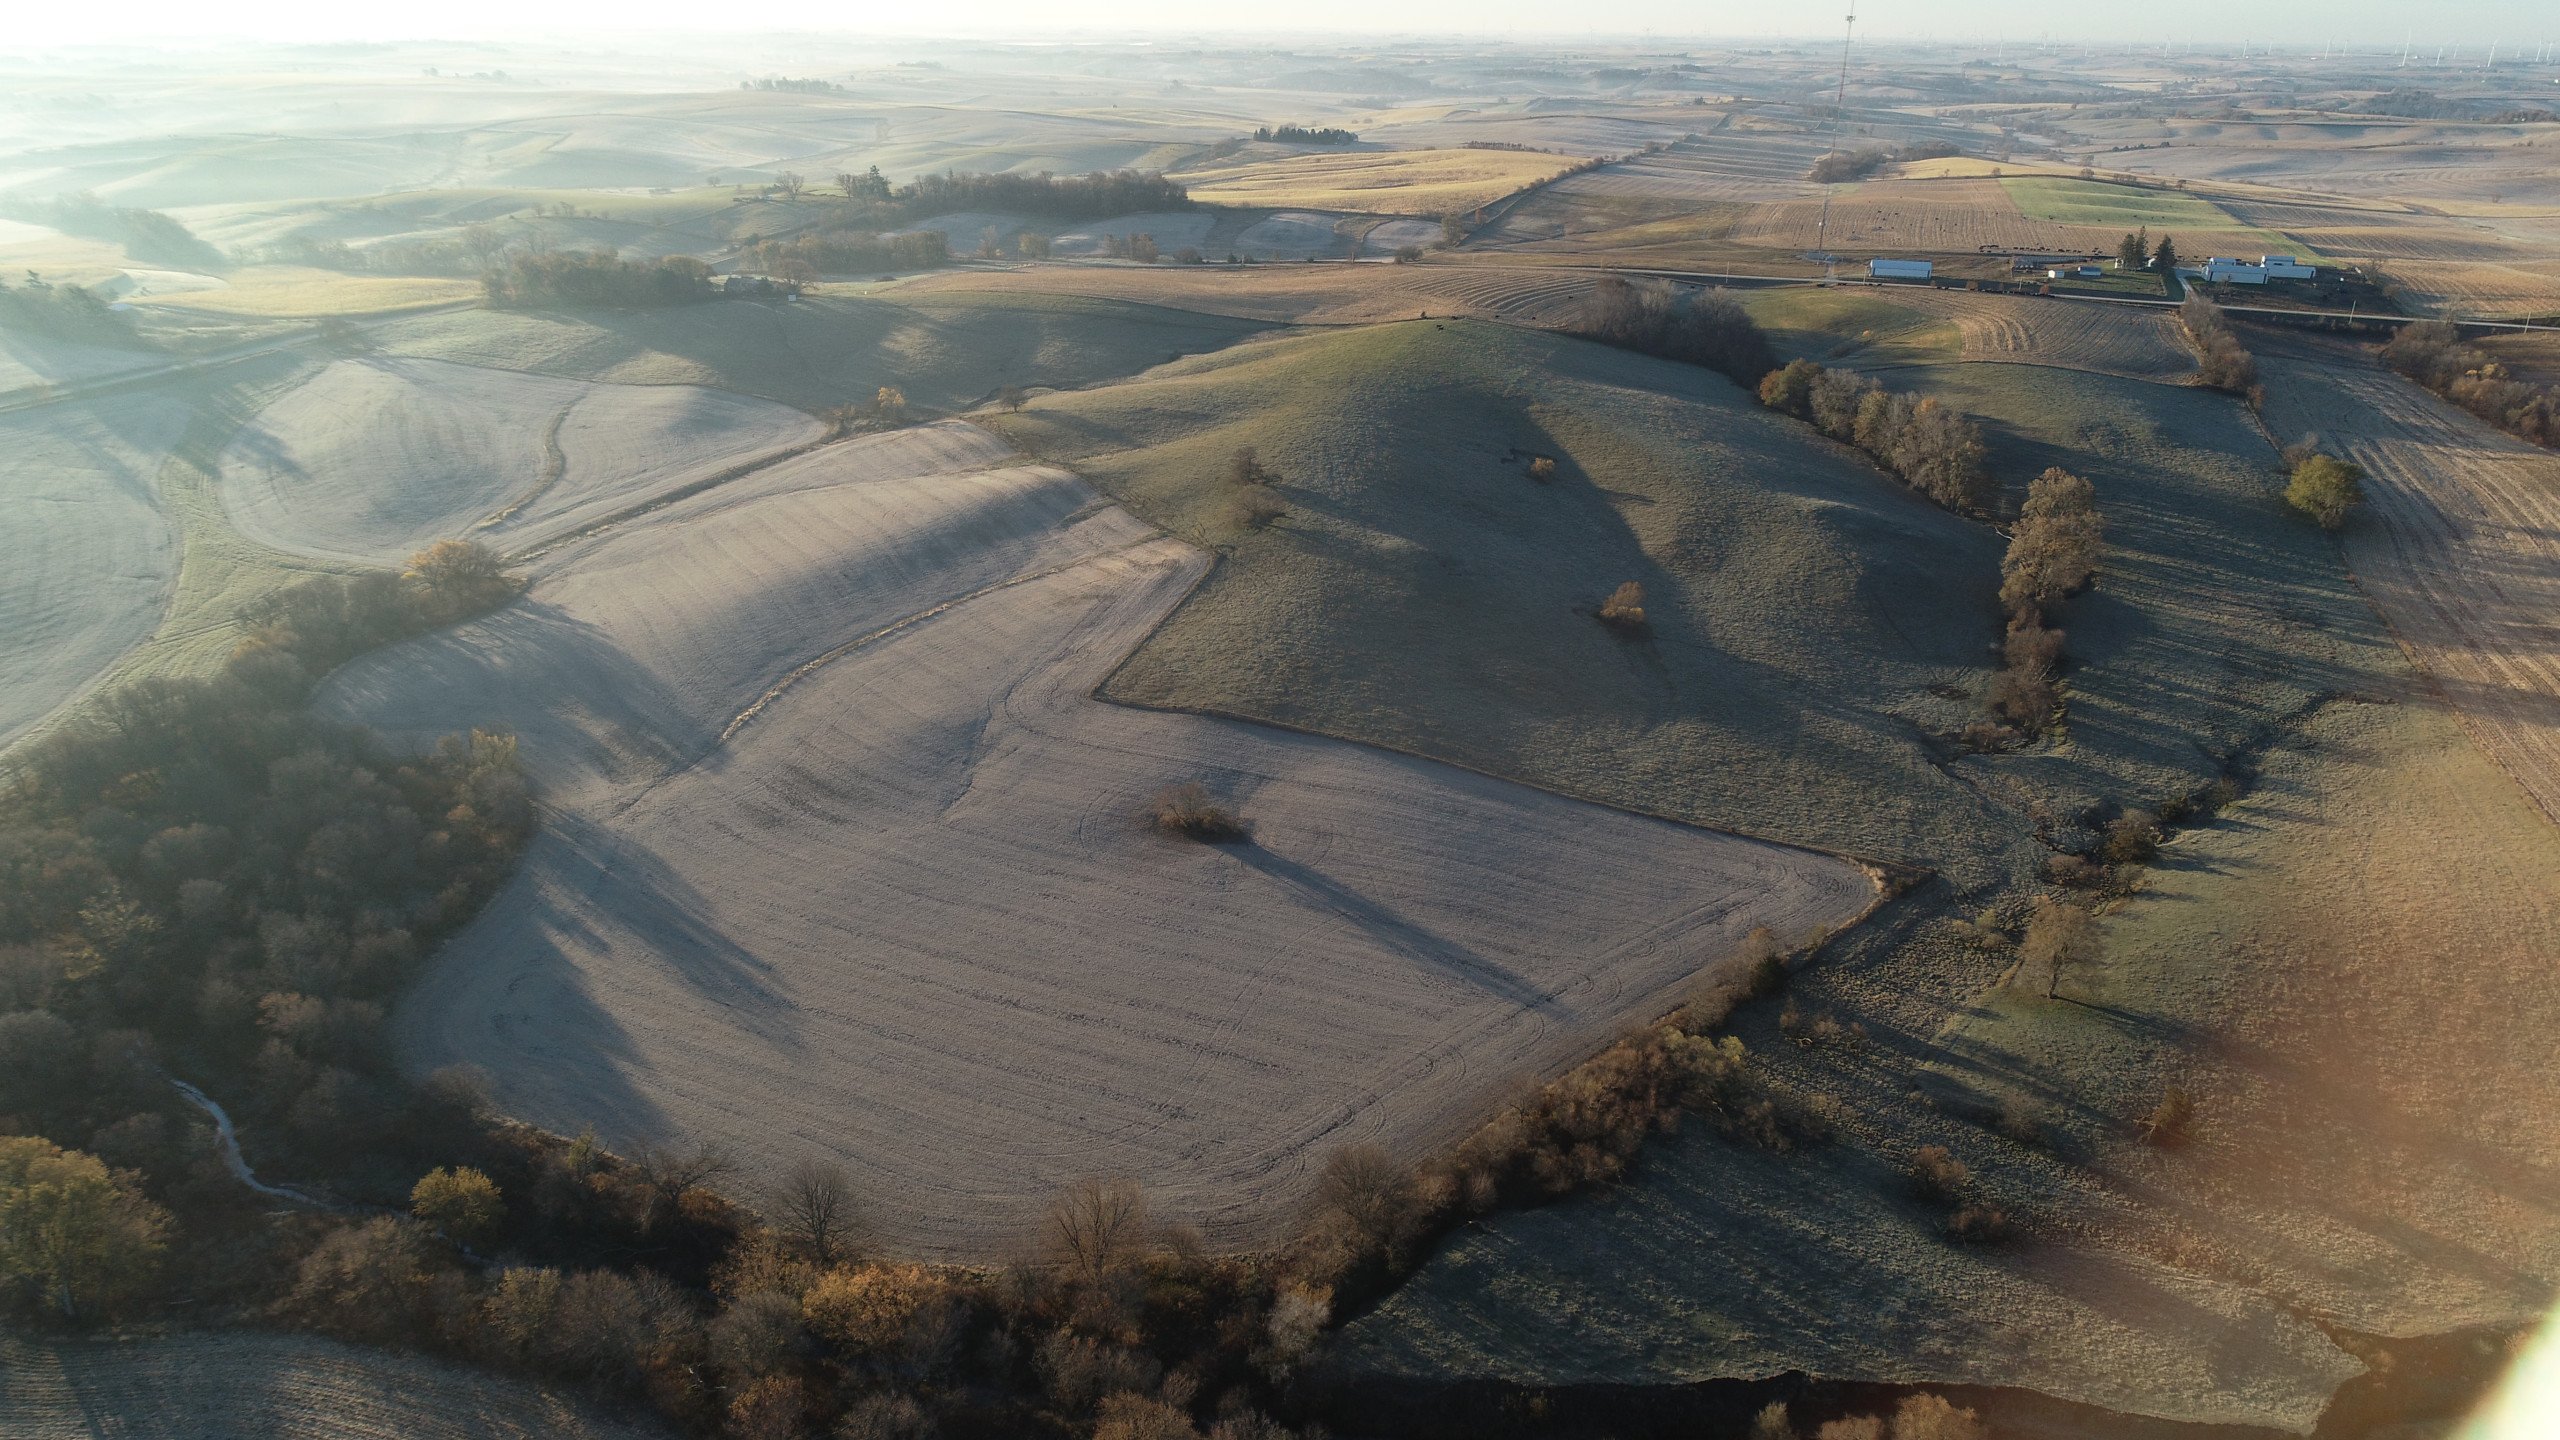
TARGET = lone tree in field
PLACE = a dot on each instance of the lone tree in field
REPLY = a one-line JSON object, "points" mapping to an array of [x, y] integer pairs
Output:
{"points": [[1246, 468], [1624, 609], [791, 184], [461, 1202], [2325, 488], [1542, 468], [814, 1209], [2059, 936]]}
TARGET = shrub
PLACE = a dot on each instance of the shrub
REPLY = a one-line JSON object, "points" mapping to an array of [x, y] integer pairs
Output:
{"points": [[1189, 810], [461, 1202], [1852, 1427], [1246, 468], [1407, 254], [754, 1335], [2171, 1121], [1542, 468], [1938, 1176], [2325, 488], [2132, 839], [459, 578], [1933, 1417], [1772, 1423], [367, 1282], [1252, 510], [1624, 609], [1978, 1223], [868, 1310]]}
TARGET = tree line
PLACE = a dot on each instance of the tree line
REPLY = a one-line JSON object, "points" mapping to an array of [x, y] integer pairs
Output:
{"points": [[146, 235], [1702, 327], [2222, 361], [64, 312], [873, 200], [2434, 354], [807, 256], [578, 279], [1935, 450], [1845, 165], [1302, 135]]}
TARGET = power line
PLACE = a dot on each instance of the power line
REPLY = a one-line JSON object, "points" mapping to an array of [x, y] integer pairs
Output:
{"points": [[1839, 113]]}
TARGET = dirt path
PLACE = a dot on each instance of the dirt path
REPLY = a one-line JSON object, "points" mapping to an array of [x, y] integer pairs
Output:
{"points": [[2460, 549]]}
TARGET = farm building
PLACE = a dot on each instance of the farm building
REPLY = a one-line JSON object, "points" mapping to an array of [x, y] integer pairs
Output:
{"points": [[2073, 272], [2222, 270], [1899, 269], [2285, 267]]}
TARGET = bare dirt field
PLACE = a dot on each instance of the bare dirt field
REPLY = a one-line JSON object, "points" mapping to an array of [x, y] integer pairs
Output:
{"points": [[92, 551], [373, 459], [2460, 550], [2447, 287], [241, 1385], [845, 860], [1727, 164]]}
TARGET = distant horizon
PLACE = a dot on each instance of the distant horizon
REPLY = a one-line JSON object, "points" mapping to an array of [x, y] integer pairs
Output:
{"points": [[2191, 26]]}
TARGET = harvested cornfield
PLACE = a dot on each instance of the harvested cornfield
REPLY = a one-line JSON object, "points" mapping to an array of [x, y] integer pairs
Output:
{"points": [[1302, 294], [846, 861], [1376, 182], [2473, 288], [93, 555], [1898, 215], [1729, 164], [373, 459], [239, 1385], [2461, 551]]}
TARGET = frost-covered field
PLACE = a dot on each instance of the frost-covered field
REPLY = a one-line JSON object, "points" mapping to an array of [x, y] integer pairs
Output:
{"points": [[845, 860], [372, 459], [91, 551]]}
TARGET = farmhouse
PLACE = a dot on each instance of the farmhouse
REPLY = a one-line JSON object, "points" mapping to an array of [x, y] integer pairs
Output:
{"points": [[1899, 269]]}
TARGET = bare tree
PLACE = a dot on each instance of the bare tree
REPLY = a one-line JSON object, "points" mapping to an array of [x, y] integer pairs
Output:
{"points": [[814, 1208], [790, 183], [1094, 1227], [667, 1176]]}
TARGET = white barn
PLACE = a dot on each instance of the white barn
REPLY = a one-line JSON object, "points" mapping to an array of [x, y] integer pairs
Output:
{"points": [[1900, 269], [2223, 270]]}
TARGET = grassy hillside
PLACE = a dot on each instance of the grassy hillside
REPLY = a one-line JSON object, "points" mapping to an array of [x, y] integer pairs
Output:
{"points": [[2290, 963], [1424, 592], [945, 351]]}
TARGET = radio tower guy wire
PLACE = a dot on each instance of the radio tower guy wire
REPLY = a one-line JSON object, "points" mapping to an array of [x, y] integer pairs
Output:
{"points": [[1839, 111]]}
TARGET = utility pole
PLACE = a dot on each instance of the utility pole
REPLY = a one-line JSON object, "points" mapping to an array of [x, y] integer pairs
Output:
{"points": [[1839, 113]]}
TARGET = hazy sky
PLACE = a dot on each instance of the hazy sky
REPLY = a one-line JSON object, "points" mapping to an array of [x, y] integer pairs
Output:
{"points": [[2521, 28]]}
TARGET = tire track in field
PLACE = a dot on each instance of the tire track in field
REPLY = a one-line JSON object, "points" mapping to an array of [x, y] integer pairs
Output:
{"points": [[2460, 550]]}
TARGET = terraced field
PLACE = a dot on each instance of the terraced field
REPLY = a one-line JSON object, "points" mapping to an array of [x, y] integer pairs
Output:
{"points": [[2461, 550], [375, 459], [844, 860], [93, 554], [2141, 342], [241, 1385], [2478, 289]]}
